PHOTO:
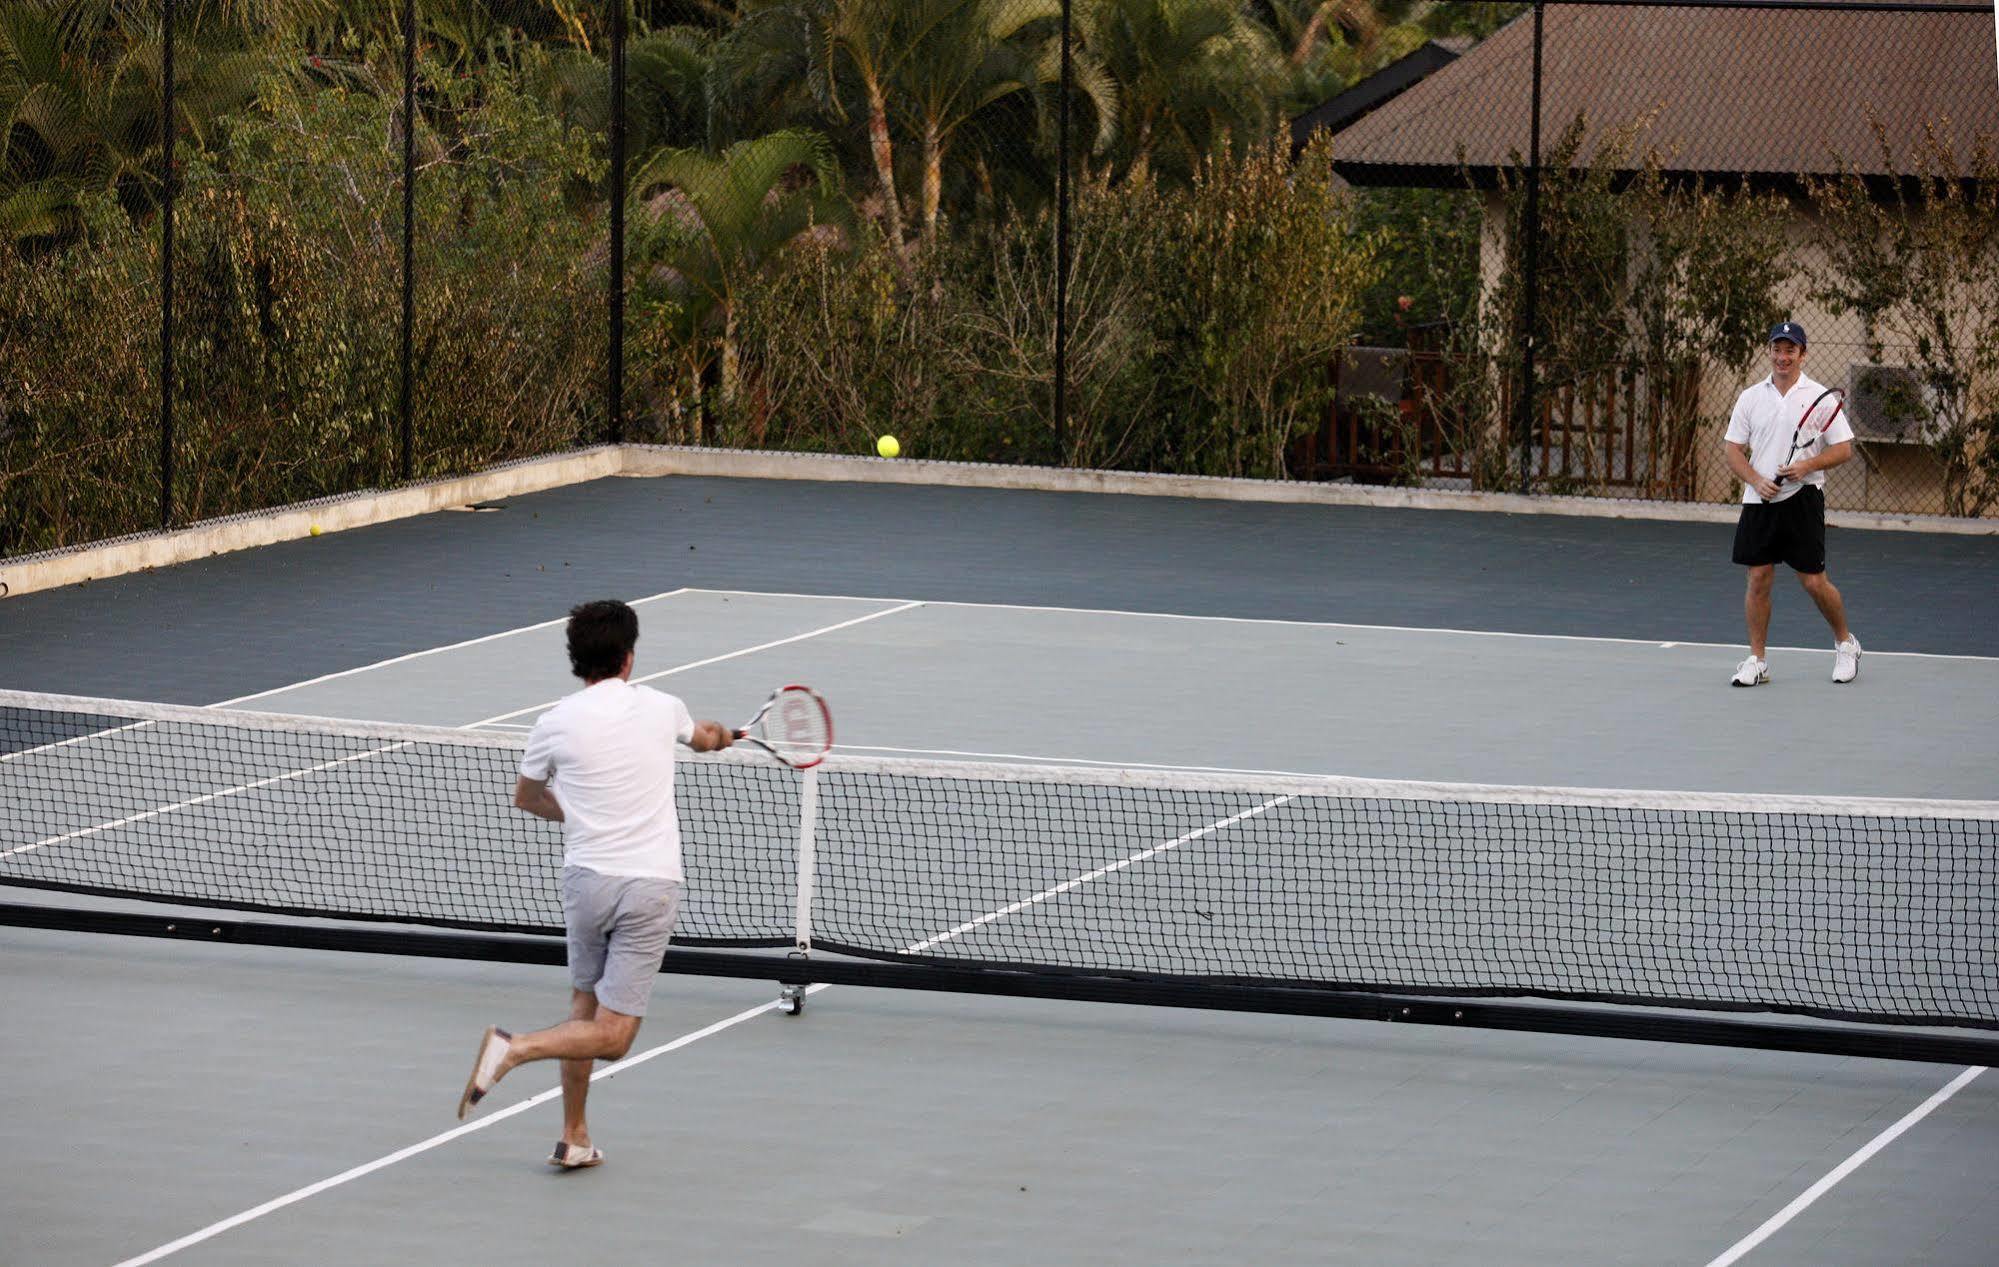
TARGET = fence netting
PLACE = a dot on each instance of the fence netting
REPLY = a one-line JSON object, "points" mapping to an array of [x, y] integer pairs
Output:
{"points": [[1499, 247]]}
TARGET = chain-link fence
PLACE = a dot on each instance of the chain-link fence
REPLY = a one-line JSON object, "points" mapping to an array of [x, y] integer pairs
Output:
{"points": [[1651, 188], [264, 252]]}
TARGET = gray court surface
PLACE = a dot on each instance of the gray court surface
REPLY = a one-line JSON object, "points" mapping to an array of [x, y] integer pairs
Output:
{"points": [[157, 1091], [247, 622], [1118, 688]]}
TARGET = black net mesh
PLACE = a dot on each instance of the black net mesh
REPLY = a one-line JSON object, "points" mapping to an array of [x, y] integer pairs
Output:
{"points": [[1868, 911]]}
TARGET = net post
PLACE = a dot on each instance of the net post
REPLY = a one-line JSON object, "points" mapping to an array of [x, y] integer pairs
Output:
{"points": [[791, 993], [808, 818]]}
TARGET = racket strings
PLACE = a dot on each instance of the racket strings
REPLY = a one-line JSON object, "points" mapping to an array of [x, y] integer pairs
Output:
{"points": [[801, 724]]}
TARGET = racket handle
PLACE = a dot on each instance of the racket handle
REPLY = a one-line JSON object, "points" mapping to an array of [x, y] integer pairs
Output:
{"points": [[737, 734]]}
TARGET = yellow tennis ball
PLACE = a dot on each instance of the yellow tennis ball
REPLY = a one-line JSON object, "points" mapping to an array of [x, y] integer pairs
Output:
{"points": [[315, 530], [888, 446]]}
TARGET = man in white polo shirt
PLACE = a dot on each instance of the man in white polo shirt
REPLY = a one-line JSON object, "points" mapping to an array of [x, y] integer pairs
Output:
{"points": [[601, 763], [1783, 500]]}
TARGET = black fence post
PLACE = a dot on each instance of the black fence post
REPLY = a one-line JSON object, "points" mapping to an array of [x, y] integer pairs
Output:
{"points": [[167, 266], [406, 404], [1062, 250], [1530, 229], [617, 282]]}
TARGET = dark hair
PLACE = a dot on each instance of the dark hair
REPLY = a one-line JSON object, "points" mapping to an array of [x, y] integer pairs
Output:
{"points": [[601, 635]]}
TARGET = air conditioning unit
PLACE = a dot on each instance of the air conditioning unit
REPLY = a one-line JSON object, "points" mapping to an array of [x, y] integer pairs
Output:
{"points": [[1890, 404]]}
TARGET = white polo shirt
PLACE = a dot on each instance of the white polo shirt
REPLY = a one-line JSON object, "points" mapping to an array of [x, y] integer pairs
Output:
{"points": [[1766, 420], [607, 753]]}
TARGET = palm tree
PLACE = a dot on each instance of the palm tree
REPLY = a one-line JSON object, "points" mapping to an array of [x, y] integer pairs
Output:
{"points": [[1192, 74], [966, 57], [917, 70], [862, 42], [80, 107], [669, 89], [709, 223]]}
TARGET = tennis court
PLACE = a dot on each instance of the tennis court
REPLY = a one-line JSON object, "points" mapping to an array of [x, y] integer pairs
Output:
{"points": [[1029, 668]]}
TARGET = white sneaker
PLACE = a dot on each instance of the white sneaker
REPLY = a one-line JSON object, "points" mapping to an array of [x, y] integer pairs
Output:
{"points": [[1846, 660], [1751, 671]]}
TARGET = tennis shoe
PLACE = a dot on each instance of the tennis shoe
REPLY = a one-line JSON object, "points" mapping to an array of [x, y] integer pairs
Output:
{"points": [[1753, 671], [485, 1068], [1846, 660]]}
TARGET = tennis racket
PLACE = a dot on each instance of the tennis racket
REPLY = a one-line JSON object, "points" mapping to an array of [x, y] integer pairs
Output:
{"points": [[794, 725], [1813, 423]]}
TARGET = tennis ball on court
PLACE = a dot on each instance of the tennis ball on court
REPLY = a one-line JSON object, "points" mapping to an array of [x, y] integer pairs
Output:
{"points": [[315, 530], [888, 446]]}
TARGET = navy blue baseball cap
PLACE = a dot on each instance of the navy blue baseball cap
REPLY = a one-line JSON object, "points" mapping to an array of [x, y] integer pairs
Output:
{"points": [[1788, 330]]}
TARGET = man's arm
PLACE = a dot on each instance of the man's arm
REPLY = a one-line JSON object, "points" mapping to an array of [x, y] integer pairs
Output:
{"points": [[533, 796], [1834, 455], [711, 735], [1738, 462]]}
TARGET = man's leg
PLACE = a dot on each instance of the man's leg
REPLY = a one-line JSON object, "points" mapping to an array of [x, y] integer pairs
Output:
{"points": [[610, 981], [1756, 606], [1830, 604], [604, 1035], [576, 1077]]}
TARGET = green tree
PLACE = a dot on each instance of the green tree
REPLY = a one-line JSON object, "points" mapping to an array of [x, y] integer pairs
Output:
{"points": [[968, 56], [1921, 265], [80, 106], [707, 224], [1702, 297], [1270, 277], [1193, 77]]}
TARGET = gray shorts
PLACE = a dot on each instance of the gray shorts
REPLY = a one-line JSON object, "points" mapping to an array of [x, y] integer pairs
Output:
{"points": [[618, 929]]}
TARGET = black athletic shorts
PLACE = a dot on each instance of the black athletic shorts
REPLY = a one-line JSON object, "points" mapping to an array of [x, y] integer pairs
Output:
{"points": [[1791, 531]]}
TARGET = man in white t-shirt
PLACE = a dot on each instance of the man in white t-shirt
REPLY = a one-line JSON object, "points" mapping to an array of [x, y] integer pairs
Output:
{"points": [[601, 763], [1783, 500]]}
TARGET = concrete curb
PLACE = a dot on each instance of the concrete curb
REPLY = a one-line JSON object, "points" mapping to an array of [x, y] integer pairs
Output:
{"points": [[658, 460], [124, 555]]}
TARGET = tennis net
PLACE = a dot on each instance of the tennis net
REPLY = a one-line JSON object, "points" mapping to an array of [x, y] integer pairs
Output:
{"points": [[1860, 910]]}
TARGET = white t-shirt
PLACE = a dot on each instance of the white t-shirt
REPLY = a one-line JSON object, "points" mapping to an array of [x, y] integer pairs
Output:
{"points": [[607, 753], [1766, 420]]}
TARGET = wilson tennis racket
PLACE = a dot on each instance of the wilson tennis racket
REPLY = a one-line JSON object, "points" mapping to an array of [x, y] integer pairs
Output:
{"points": [[1812, 424], [794, 725]]}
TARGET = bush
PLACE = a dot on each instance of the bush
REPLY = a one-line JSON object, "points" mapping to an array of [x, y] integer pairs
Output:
{"points": [[287, 307], [1259, 284], [79, 390], [1202, 326]]}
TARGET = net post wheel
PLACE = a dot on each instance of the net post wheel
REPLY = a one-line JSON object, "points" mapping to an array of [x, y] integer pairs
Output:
{"points": [[888, 446]]}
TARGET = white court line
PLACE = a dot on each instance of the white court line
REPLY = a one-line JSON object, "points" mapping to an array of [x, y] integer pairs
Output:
{"points": [[1845, 1168], [430, 651], [159, 810], [1331, 624], [368, 1168], [56, 744], [1076, 882], [1039, 759], [717, 659]]}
